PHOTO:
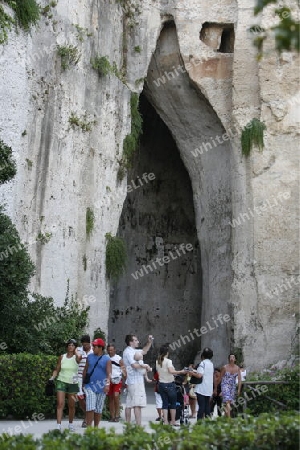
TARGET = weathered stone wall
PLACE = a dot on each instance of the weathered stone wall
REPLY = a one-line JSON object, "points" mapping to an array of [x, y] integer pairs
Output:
{"points": [[63, 171]]}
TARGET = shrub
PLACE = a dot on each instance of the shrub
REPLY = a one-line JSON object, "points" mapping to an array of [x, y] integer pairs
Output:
{"points": [[286, 394], [27, 12], [6, 22], [22, 384], [267, 432], [102, 65], [115, 261], [8, 167], [69, 55], [252, 134]]}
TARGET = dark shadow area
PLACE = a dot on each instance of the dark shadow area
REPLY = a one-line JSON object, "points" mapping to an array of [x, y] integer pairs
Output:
{"points": [[160, 293]]}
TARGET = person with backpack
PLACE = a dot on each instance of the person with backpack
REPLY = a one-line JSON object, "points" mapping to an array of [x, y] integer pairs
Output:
{"points": [[96, 380]]}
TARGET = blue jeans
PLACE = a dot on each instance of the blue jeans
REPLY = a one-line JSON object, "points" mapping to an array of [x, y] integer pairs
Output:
{"points": [[168, 394], [204, 408]]}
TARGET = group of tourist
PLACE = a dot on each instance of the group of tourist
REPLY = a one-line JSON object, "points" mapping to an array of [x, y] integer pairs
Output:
{"points": [[88, 374]]}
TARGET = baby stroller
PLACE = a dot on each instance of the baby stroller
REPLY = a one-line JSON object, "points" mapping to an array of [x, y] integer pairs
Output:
{"points": [[182, 407]]}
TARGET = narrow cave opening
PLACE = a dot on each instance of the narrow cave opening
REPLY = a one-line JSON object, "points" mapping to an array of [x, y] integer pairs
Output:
{"points": [[161, 291]]}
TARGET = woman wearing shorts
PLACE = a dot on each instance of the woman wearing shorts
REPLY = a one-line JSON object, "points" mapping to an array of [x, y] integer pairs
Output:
{"points": [[66, 374]]}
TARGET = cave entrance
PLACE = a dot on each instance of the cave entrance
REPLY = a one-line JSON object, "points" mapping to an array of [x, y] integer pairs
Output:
{"points": [[188, 202], [161, 290]]}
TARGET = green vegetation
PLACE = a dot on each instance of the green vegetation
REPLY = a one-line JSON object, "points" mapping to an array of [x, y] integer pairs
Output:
{"points": [[27, 12], [84, 262], [137, 49], [115, 260], [69, 55], [83, 122], [82, 32], [286, 394], [98, 333], [131, 141], [44, 238], [89, 221], [267, 432], [8, 167], [131, 10], [6, 22], [252, 135], [286, 33], [102, 65], [46, 11]]}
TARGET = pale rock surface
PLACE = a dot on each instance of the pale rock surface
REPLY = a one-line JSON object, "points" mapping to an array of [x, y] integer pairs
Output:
{"points": [[250, 269]]}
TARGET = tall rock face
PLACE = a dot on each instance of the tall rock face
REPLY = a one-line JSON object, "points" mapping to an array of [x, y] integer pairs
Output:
{"points": [[201, 83]]}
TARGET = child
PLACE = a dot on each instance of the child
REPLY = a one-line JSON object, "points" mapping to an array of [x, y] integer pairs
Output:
{"points": [[138, 356]]}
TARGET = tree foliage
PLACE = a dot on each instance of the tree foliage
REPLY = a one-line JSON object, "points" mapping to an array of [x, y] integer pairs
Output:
{"points": [[286, 32], [8, 167]]}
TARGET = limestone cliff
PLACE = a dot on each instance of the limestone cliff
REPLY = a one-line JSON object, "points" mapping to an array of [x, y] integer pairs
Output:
{"points": [[201, 83]]}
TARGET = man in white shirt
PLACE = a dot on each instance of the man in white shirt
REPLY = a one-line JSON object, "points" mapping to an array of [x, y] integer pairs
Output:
{"points": [[85, 350], [204, 390], [136, 394]]}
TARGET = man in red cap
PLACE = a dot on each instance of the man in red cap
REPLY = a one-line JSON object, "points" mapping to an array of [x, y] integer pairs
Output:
{"points": [[98, 366]]}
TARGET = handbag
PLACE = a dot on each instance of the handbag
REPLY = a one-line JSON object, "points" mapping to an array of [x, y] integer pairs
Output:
{"points": [[50, 388], [87, 377], [195, 380]]}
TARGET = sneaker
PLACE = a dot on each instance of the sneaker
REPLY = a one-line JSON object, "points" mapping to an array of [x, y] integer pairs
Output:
{"points": [[71, 427], [83, 425], [58, 426], [158, 419]]}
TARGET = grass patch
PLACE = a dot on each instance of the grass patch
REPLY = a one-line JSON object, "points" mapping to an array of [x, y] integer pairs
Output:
{"points": [[89, 221], [27, 12], [83, 122], [69, 55], [253, 135], [116, 256], [131, 141]]}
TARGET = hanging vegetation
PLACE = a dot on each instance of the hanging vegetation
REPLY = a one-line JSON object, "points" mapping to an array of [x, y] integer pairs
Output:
{"points": [[130, 142], [115, 261], [89, 221], [253, 135]]}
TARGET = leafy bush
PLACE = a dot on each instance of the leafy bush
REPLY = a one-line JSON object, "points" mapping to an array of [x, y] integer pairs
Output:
{"points": [[286, 394], [6, 22], [252, 134], [115, 261], [27, 12], [267, 432], [69, 55], [102, 65], [16, 267], [22, 384], [8, 167]]}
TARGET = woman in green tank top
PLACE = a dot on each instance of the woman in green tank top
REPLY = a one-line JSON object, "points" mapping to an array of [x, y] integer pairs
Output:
{"points": [[66, 374]]}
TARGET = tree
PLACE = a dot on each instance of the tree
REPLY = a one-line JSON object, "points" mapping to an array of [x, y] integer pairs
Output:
{"points": [[286, 32]]}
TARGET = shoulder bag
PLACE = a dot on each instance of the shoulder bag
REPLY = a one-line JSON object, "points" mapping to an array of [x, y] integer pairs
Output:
{"points": [[195, 380], [87, 377]]}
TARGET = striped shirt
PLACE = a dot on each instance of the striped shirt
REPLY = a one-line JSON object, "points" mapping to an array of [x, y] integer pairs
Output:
{"points": [[83, 360]]}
